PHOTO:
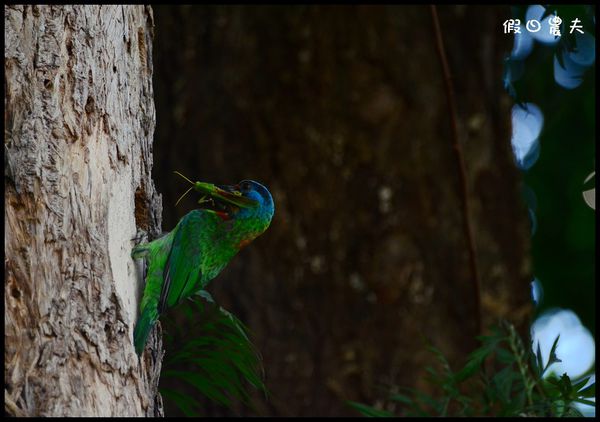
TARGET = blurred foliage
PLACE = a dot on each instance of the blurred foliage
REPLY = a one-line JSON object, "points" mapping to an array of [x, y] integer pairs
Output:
{"points": [[563, 246], [503, 377], [216, 357], [500, 378]]}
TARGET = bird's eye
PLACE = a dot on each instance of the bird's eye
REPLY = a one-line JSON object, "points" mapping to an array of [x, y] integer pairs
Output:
{"points": [[245, 186]]}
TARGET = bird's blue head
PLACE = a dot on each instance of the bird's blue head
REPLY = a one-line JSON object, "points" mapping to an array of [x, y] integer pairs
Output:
{"points": [[264, 208], [248, 203], [250, 206]]}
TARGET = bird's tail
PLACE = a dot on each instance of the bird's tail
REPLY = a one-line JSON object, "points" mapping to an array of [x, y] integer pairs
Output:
{"points": [[143, 327]]}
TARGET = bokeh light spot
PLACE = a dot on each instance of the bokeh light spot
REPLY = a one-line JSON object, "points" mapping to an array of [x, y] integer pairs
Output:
{"points": [[527, 122], [576, 347], [543, 35]]}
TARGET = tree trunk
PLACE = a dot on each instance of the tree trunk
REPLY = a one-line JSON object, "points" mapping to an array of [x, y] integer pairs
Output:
{"points": [[79, 119]]}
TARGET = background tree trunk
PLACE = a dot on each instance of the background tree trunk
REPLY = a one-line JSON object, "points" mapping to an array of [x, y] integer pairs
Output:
{"points": [[79, 121], [341, 111]]}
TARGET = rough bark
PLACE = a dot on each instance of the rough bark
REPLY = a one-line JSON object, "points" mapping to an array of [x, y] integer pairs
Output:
{"points": [[79, 123], [342, 112]]}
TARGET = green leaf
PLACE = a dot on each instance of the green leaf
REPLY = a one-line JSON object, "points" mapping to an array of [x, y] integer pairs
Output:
{"points": [[540, 360], [503, 382], [415, 408], [429, 401], [559, 407], [474, 362], [585, 401], [401, 398], [505, 356], [589, 391], [440, 356], [573, 412], [182, 401], [565, 385], [216, 358], [553, 358], [370, 411], [552, 379], [506, 390], [470, 369], [580, 383], [201, 384]]}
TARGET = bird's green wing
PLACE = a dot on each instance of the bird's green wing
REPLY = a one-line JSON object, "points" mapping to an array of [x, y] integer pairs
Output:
{"points": [[182, 270]]}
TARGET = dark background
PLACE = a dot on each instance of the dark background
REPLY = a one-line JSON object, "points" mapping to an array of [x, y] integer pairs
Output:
{"points": [[341, 112]]}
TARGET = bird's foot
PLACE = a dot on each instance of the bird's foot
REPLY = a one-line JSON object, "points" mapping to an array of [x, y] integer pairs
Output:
{"points": [[141, 236], [140, 240]]}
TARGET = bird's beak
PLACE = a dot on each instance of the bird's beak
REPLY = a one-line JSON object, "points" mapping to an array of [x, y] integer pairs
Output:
{"points": [[230, 194]]}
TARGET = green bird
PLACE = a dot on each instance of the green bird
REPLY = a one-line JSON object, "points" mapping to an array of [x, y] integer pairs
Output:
{"points": [[183, 261]]}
